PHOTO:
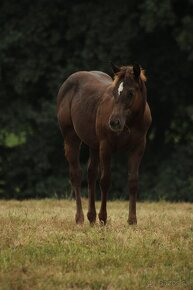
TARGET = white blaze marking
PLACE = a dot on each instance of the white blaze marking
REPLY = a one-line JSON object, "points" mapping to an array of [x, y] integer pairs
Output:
{"points": [[120, 88]]}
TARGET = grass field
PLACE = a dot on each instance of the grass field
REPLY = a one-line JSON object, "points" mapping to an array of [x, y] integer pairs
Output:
{"points": [[42, 248]]}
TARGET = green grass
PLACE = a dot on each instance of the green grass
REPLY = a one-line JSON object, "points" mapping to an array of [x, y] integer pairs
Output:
{"points": [[42, 248]]}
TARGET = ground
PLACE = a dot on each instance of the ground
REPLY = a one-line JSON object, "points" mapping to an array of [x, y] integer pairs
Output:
{"points": [[42, 248]]}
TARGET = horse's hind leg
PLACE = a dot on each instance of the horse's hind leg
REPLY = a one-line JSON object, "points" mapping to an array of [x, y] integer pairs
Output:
{"points": [[72, 149], [92, 175]]}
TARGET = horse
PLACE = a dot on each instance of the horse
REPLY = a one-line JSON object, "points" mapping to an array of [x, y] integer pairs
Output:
{"points": [[107, 114]]}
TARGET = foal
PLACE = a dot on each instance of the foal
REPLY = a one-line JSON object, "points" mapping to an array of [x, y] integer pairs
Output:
{"points": [[107, 115]]}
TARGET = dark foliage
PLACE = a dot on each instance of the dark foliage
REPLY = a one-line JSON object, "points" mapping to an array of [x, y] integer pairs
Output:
{"points": [[42, 42]]}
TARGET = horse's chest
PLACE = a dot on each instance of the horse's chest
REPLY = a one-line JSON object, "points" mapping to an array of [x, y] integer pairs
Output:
{"points": [[121, 140], [126, 140]]}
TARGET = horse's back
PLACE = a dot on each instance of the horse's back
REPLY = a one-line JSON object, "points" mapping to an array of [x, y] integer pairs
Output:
{"points": [[94, 75], [101, 76], [85, 82], [78, 101]]}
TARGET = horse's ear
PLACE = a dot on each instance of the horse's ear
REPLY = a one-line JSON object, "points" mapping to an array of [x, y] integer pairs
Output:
{"points": [[115, 68], [136, 70]]}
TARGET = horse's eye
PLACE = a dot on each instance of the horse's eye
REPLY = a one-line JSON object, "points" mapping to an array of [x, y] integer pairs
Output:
{"points": [[130, 94]]}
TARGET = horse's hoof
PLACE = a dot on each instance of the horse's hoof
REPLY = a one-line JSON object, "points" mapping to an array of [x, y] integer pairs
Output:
{"points": [[91, 217], [79, 218], [132, 221], [102, 218]]}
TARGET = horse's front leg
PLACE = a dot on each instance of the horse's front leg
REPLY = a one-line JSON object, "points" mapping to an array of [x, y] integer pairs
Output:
{"points": [[105, 179], [133, 166]]}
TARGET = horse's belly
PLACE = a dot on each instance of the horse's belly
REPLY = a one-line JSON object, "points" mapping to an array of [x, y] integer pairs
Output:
{"points": [[84, 119], [86, 134]]}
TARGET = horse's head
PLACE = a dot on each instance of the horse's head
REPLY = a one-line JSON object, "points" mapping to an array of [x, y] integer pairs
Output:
{"points": [[129, 94]]}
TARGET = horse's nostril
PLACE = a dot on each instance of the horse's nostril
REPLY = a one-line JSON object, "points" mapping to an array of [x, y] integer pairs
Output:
{"points": [[115, 124], [112, 123]]}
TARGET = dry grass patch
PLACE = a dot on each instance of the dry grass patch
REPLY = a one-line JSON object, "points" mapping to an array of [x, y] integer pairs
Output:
{"points": [[42, 248]]}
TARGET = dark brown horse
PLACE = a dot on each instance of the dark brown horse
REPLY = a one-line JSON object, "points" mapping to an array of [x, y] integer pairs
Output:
{"points": [[107, 115]]}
